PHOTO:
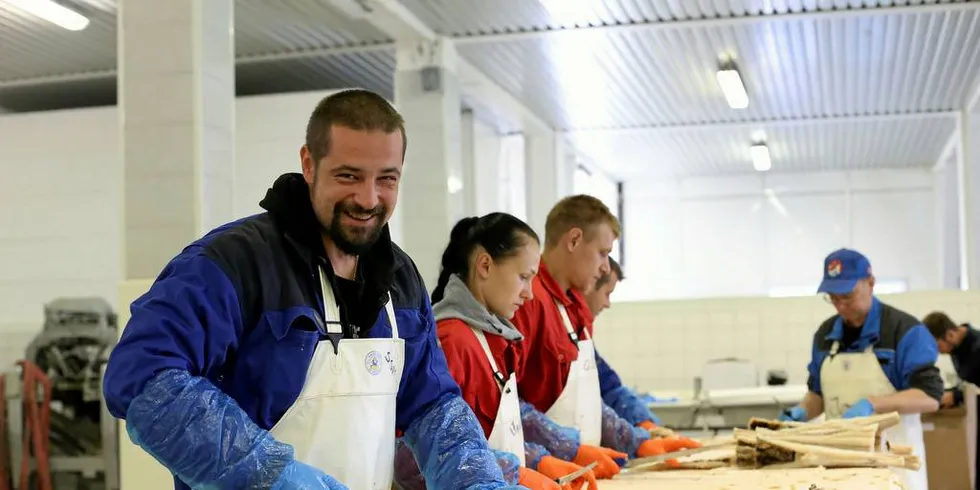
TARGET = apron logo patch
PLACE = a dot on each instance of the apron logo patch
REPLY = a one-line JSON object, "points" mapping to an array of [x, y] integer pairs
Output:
{"points": [[391, 362], [515, 427], [372, 362]]}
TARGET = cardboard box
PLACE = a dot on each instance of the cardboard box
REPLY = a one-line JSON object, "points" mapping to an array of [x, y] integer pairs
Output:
{"points": [[951, 441]]}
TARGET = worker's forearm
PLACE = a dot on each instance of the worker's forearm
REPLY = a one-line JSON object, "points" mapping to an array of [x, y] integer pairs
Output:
{"points": [[813, 403], [912, 400]]}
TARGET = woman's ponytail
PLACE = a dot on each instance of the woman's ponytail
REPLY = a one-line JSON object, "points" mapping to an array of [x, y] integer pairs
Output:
{"points": [[456, 256]]}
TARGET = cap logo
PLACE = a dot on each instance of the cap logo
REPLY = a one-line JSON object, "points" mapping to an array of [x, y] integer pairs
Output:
{"points": [[833, 268]]}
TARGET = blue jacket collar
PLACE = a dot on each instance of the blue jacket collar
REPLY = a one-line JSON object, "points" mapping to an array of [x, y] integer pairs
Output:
{"points": [[870, 331]]}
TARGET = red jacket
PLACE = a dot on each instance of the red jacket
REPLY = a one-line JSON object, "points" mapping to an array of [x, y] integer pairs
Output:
{"points": [[471, 369], [548, 350]]}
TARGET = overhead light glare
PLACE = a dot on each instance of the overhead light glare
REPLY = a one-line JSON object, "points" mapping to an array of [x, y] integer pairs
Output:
{"points": [[760, 157], [54, 13], [731, 85]]}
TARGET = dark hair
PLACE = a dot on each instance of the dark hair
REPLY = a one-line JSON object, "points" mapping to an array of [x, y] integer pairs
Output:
{"points": [[938, 324], [357, 109], [614, 268], [500, 234]]}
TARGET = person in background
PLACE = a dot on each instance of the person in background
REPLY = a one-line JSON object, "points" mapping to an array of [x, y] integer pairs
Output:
{"points": [[962, 343], [557, 373], [267, 354], [870, 358], [624, 401], [486, 274]]}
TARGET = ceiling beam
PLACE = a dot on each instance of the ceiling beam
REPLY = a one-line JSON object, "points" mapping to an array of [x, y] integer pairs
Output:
{"points": [[662, 25], [399, 23], [764, 123]]}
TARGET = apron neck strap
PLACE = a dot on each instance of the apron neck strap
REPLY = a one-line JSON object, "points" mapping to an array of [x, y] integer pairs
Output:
{"points": [[482, 338], [568, 324], [333, 326]]}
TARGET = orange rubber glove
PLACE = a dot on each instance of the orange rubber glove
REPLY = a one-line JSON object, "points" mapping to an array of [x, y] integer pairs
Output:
{"points": [[646, 424], [606, 467], [536, 481], [555, 468], [656, 447]]}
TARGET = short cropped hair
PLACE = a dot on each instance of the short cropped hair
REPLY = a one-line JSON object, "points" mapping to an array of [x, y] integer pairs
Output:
{"points": [[938, 324], [580, 211], [614, 269], [357, 109]]}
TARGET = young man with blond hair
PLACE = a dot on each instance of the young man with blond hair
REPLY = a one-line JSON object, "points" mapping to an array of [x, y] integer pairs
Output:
{"points": [[557, 372]]}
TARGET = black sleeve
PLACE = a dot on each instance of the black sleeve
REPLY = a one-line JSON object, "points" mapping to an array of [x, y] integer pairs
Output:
{"points": [[928, 379]]}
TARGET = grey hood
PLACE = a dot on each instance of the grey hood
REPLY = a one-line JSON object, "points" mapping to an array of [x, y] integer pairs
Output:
{"points": [[458, 302]]}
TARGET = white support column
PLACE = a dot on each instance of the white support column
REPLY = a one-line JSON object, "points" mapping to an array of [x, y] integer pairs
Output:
{"points": [[468, 161], [432, 188], [969, 172], [947, 203], [176, 82], [550, 173], [177, 119]]}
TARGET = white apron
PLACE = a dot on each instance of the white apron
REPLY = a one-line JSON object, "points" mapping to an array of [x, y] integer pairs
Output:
{"points": [[343, 421], [846, 378], [580, 403], [507, 434]]}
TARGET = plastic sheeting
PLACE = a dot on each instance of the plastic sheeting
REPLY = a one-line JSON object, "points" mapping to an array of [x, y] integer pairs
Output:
{"points": [[203, 437], [451, 449], [621, 435], [628, 405], [562, 442], [409, 477]]}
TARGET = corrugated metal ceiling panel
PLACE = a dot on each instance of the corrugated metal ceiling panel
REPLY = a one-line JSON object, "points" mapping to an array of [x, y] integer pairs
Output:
{"points": [[721, 150], [792, 69], [471, 17]]}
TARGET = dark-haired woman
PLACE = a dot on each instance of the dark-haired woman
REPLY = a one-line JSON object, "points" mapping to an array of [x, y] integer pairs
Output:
{"points": [[486, 275]]}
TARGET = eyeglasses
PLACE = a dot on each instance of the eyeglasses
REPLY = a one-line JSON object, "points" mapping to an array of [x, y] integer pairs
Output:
{"points": [[838, 299]]}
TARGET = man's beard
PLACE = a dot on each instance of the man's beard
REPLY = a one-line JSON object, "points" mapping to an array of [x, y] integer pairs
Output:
{"points": [[355, 240]]}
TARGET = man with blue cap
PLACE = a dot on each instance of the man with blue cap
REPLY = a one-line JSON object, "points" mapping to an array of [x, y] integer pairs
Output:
{"points": [[870, 358]]}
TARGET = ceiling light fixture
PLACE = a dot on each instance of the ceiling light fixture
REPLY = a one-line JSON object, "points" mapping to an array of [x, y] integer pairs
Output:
{"points": [[732, 86], [53, 12], [760, 157]]}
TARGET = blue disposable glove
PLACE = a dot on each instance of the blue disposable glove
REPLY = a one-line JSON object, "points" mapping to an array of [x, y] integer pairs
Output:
{"points": [[862, 408], [299, 476], [795, 414]]}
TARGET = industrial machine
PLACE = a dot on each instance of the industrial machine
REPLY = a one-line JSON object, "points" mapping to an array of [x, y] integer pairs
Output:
{"points": [[70, 353]]}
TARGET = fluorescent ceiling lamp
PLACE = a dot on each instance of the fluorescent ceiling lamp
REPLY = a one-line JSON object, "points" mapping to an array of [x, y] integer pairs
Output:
{"points": [[731, 85], [53, 12], [760, 157]]}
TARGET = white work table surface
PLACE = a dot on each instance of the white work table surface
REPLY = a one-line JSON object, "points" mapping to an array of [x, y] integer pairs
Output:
{"points": [[736, 479]]}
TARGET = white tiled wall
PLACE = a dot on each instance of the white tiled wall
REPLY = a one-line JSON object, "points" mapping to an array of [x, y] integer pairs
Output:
{"points": [[660, 346], [750, 235]]}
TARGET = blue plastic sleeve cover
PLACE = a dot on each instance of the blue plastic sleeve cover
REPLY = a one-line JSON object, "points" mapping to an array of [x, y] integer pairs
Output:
{"points": [[628, 405], [201, 435], [510, 465], [562, 442], [619, 434], [533, 454], [450, 447], [408, 476]]}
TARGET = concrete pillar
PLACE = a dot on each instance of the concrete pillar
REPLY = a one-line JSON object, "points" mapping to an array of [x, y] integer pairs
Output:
{"points": [[968, 165], [550, 174], [176, 115], [431, 196]]}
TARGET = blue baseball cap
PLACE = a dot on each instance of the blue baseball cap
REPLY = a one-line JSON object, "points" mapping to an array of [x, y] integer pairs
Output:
{"points": [[842, 270]]}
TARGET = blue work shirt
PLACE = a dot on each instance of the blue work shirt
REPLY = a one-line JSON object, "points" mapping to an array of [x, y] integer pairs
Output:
{"points": [[904, 348]]}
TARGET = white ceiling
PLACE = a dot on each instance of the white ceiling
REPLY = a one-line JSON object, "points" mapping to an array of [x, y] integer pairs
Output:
{"points": [[832, 84]]}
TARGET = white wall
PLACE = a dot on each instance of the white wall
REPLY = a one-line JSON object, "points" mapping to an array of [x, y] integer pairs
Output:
{"points": [[731, 236], [61, 190]]}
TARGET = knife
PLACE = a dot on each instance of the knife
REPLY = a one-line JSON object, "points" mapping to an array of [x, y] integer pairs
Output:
{"points": [[641, 463], [565, 480]]}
